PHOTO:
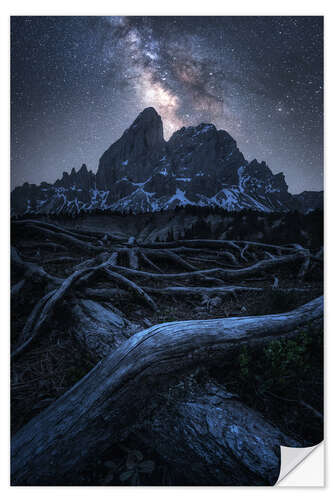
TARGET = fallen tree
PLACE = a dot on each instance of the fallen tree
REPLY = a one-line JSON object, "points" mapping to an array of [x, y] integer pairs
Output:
{"points": [[100, 410]]}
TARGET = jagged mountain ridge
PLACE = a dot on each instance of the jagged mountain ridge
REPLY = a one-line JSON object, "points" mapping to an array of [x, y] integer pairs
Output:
{"points": [[142, 172]]}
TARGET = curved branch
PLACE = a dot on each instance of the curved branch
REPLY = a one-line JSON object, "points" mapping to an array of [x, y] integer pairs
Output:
{"points": [[26, 341], [82, 234], [261, 266], [216, 244], [46, 306], [67, 238], [17, 288], [131, 286], [146, 260], [29, 269], [169, 255]]}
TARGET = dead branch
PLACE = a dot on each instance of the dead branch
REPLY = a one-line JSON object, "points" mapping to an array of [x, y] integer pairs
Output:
{"points": [[130, 285], [17, 288], [230, 256], [30, 270], [82, 234], [45, 309], [133, 259], [146, 260], [214, 291], [26, 336], [169, 255], [261, 266], [66, 238]]}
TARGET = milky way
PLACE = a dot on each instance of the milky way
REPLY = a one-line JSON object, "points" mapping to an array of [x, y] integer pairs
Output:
{"points": [[79, 82]]}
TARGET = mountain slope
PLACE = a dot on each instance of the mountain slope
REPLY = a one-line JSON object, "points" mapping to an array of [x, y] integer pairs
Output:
{"points": [[142, 172]]}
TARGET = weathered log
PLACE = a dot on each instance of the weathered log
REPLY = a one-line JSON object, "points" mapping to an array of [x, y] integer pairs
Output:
{"points": [[224, 441], [98, 328], [53, 447]]}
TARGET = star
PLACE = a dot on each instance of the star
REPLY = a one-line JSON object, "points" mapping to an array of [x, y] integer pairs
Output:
{"points": [[79, 82]]}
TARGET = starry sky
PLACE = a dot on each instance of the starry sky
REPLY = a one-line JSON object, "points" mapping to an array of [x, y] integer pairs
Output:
{"points": [[78, 82]]}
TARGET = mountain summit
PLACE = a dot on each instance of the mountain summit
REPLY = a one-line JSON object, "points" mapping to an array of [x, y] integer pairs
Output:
{"points": [[141, 171]]}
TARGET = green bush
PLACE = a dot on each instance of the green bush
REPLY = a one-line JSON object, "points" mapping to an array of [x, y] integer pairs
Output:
{"points": [[281, 364]]}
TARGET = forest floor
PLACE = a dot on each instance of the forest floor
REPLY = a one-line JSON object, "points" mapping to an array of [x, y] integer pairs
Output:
{"points": [[282, 380]]}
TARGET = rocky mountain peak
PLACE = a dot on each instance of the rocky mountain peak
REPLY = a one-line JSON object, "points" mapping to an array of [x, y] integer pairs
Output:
{"points": [[198, 165], [135, 152]]}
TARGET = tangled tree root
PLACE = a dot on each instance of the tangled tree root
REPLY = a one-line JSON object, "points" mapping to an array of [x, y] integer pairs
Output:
{"points": [[131, 368]]}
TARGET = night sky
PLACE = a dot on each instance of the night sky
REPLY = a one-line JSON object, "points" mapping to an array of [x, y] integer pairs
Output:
{"points": [[78, 82]]}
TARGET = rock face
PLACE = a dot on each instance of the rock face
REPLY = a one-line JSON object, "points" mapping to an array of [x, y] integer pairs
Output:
{"points": [[142, 172], [136, 151]]}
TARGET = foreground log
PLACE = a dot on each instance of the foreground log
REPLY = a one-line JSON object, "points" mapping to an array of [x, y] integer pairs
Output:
{"points": [[100, 409], [225, 441]]}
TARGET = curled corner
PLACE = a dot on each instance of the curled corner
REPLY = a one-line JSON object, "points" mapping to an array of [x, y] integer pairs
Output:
{"points": [[291, 458]]}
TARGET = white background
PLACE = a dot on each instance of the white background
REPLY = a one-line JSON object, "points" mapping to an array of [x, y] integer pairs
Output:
{"points": [[152, 7]]}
